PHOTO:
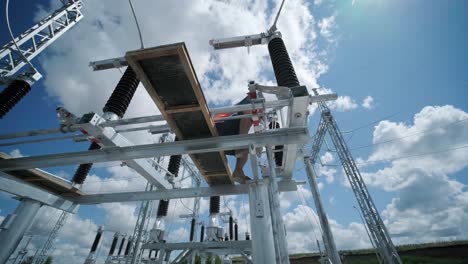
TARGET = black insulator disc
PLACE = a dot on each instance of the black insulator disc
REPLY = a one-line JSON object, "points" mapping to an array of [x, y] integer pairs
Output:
{"points": [[278, 154], [215, 202], [121, 246], [12, 94], [192, 229], [202, 233], [82, 171], [113, 245], [96, 241], [129, 246], [231, 231], [174, 164], [236, 232], [163, 208], [120, 99], [282, 66]]}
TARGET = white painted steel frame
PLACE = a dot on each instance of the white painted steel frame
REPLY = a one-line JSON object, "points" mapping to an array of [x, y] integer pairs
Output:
{"points": [[329, 241], [222, 190], [34, 40], [21, 219], [23, 189], [282, 136], [107, 137], [263, 246]]}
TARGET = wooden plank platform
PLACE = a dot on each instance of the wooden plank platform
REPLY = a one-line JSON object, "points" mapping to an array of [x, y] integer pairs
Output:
{"points": [[168, 75], [44, 180]]}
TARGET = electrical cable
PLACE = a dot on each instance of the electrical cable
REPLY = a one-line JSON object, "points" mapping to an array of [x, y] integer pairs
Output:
{"points": [[414, 155], [307, 215], [410, 135], [136, 22], [186, 207], [13, 38], [315, 216], [245, 213], [171, 223], [373, 122], [273, 27], [406, 156]]}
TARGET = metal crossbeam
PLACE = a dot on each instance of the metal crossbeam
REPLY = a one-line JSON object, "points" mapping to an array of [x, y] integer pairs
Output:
{"points": [[22, 189], [221, 190], [282, 136], [34, 40], [108, 138], [244, 245]]}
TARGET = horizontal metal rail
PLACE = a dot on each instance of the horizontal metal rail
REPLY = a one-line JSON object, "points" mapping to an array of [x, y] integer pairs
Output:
{"points": [[222, 190], [22, 189], [283, 136]]}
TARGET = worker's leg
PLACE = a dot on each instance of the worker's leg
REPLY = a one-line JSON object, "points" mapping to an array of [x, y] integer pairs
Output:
{"points": [[242, 154]]}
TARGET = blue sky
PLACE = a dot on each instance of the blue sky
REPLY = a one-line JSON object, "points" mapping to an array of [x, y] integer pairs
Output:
{"points": [[406, 56]]}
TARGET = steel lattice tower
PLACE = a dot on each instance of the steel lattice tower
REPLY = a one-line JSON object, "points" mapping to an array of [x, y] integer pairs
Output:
{"points": [[386, 251]]}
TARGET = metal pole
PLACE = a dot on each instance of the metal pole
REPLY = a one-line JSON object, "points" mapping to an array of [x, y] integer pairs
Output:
{"points": [[17, 224], [263, 248], [276, 211], [327, 234]]}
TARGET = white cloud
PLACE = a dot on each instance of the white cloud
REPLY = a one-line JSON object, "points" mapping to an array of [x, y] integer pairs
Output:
{"points": [[430, 204], [327, 26], [343, 103], [434, 129], [16, 153], [107, 33], [368, 102], [303, 230], [73, 241], [326, 167]]}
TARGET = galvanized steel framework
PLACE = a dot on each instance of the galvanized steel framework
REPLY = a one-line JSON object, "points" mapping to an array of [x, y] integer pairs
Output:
{"points": [[34, 40], [386, 251], [266, 139], [268, 243]]}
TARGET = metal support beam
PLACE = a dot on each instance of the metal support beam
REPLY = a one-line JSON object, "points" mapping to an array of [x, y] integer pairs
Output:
{"points": [[298, 115], [22, 189], [277, 137], [330, 246], [263, 247], [15, 226], [244, 245], [222, 190], [108, 137], [278, 225]]}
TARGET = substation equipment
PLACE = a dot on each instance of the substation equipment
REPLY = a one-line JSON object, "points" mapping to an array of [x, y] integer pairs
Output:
{"points": [[196, 148]]}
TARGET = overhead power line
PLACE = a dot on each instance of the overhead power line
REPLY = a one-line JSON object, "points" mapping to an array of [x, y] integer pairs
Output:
{"points": [[13, 38], [136, 22], [431, 130]]}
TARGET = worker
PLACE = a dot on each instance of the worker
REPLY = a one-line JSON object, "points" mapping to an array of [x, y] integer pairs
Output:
{"points": [[235, 127]]}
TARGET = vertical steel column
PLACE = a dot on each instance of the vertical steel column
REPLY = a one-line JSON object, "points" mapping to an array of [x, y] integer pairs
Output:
{"points": [[276, 211], [263, 248], [327, 234], [21, 220]]}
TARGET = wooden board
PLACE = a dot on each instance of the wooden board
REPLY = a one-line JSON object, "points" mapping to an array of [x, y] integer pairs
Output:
{"points": [[168, 76], [44, 180]]}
